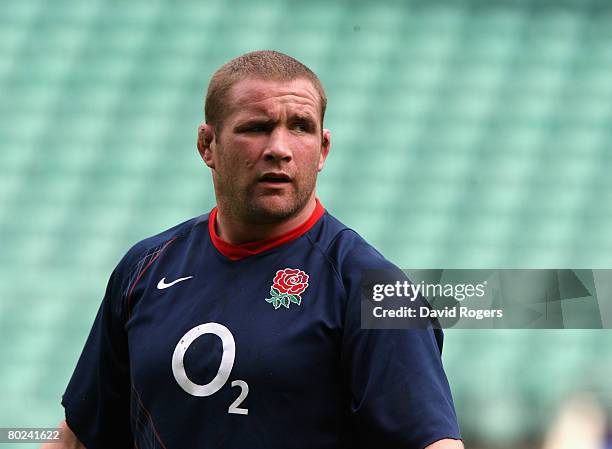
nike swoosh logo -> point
(162, 283)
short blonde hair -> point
(263, 64)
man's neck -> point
(236, 232)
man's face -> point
(266, 157)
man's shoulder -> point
(347, 249)
(151, 245)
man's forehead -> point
(259, 94)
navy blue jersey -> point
(202, 344)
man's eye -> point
(302, 127)
(253, 128)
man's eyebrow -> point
(303, 117)
(264, 120)
(249, 121)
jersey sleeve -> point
(400, 396)
(97, 399)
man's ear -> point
(325, 146)
(206, 143)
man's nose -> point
(278, 146)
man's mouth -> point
(275, 178)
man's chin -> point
(273, 208)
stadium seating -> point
(465, 134)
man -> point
(241, 328)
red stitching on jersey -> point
(148, 416)
(136, 419)
(129, 297)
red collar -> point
(236, 252)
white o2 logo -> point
(225, 368)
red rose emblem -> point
(291, 281)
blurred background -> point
(465, 134)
